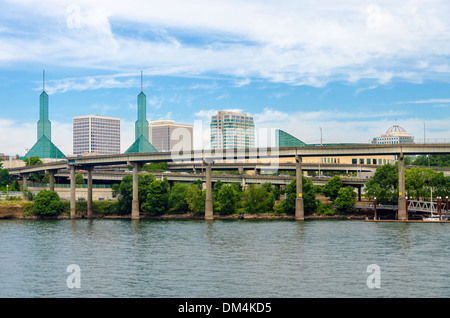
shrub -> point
(47, 202)
(325, 208)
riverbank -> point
(17, 209)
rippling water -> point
(242, 258)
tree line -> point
(157, 197)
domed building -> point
(394, 135)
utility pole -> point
(424, 140)
(320, 160)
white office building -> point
(94, 134)
(394, 135)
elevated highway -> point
(209, 157)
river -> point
(223, 258)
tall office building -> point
(166, 134)
(232, 130)
(96, 134)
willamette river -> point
(241, 258)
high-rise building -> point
(232, 130)
(44, 148)
(166, 134)
(394, 135)
(96, 134)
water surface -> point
(240, 258)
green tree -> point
(4, 177)
(272, 189)
(47, 202)
(79, 179)
(15, 185)
(432, 161)
(346, 199)
(258, 200)
(309, 196)
(177, 198)
(420, 181)
(228, 198)
(45, 178)
(157, 198)
(216, 188)
(325, 208)
(198, 183)
(331, 189)
(195, 198)
(125, 191)
(384, 184)
(156, 167)
(115, 190)
(31, 161)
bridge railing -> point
(424, 206)
(63, 185)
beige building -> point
(232, 130)
(164, 135)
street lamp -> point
(375, 208)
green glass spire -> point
(141, 143)
(44, 148)
(44, 126)
(141, 127)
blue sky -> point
(353, 69)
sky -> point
(340, 71)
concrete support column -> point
(209, 213)
(299, 207)
(24, 180)
(401, 188)
(135, 203)
(72, 192)
(89, 193)
(51, 174)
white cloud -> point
(428, 101)
(307, 43)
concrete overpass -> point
(208, 157)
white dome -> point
(396, 131)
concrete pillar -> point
(72, 192)
(209, 213)
(24, 180)
(135, 202)
(51, 174)
(89, 193)
(299, 207)
(401, 188)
